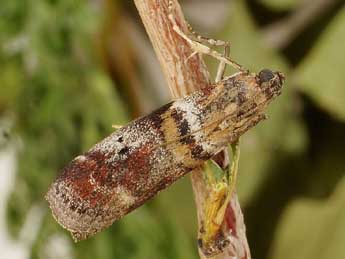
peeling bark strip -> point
(133, 164)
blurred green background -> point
(71, 69)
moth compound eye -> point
(265, 75)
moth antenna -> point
(201, 47)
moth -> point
(133, 164)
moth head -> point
(270, 82)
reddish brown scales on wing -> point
(130, 166)
(85, 174)
(137, 166)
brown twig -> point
(184, 77)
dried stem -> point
(184, 77)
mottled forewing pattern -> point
(130, 166)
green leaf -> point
(313, 229)
(321, 76)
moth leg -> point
(206, 40)
(190, 56)
(199, 47)
(222, 64)
(213, 42)
(220, 75)
(200, 38)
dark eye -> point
(265, 75)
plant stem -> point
(185, 74)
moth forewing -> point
(131, 165)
